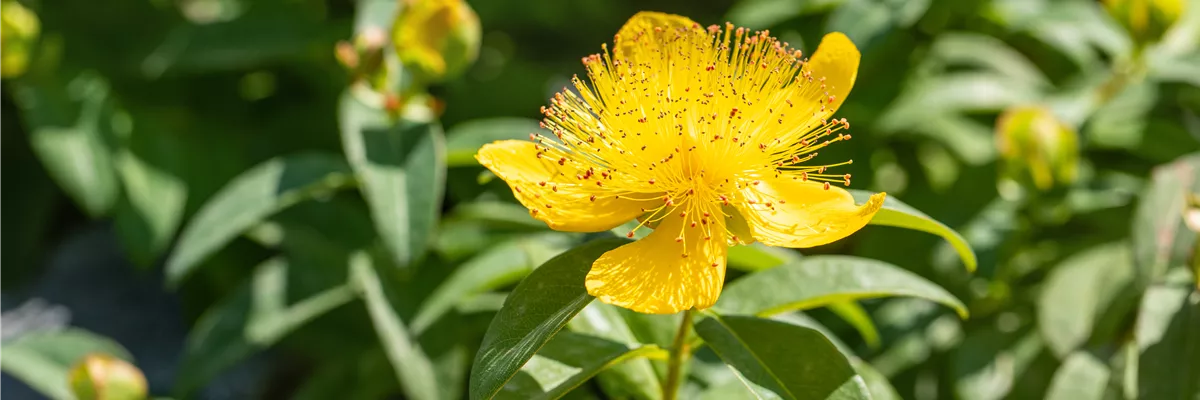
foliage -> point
(300, 174)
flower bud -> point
(437, 39)
(19, 30)
(1037, 148)
(1146, 20)
(101, 376)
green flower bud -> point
(101, 376)
(1037, 148)
(19, 30)
(1146, 20)
(437, 39)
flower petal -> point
(804, 214)
(658, 275)
(836, 60)
(631, 40)
(552, 193)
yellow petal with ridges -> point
(632, 40)
(661, 274)
(794, 213)
(836, 60)
(552, 193)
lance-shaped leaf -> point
(498, 266)
(71, 133)
(567, 361)
(413, 368)
(896, 213)
(634, 378)
(1168, 340)
(401, 165)
(250, 198)
(1160, 239)
(254, 318)
(793, 361)
(532, 314)
(465, 139)
(820, 280)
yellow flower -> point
(705, 134)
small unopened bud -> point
(1037, 148)
(1146, 20)
(19, 29)
(437, 39)
(101, 376)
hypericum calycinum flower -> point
(705, 134)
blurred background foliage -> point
(214, 192)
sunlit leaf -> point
(152, 208)
(896, 213)
(465, 139)
(401, 165)
(757, 256)
(764, 14)
(793, 361)
(633, 378)
(1081, 377)
(413, 367)
(70, 126)
(1168, 339)
(248, 199)
(1080, 291)
(988, 363)
(1160, 239)
(566, 362)
(533, 313)
(820, 280)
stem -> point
(679, 352)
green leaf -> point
(896, 213)
(857, 317)
(43, 359)
(71, 133)
(566, 362)
(253, 318)
(990, 53)
(536, 310)
(465, 139)
(1160, 239)
(498, 214)
(1081, 290)
(413, 368)
(877, 385)
(1081, 377)
(152, 208)
(821, 280)
(793, 361)
(632, 379)
(402, 169)
(1168, 340)
(763, 14)
(988, 362)
(248, 199)
(757, 257)
(496, 267)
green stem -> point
(679, 353)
